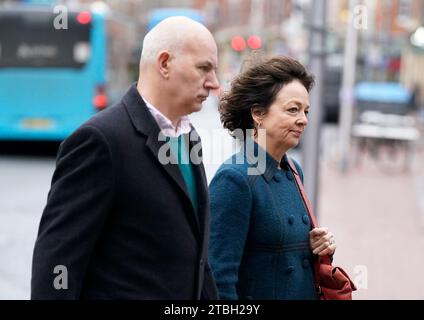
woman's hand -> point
(322, 242)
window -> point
(30, 40)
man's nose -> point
(212, 82)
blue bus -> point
(51, 80)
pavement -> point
(377, 217)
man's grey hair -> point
(169, 35)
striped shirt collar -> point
(166, 126)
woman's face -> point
(286, 118)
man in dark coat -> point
(122, 221)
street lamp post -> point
(347, 91)
(311, 142)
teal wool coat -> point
(259, 246)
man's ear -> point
(163, 61)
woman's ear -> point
(257, 114)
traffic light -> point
(239, 44)
(254, 42)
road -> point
(24, 184)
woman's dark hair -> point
(257, 87)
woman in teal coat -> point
(261, 244)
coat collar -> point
(140, 116)
(251, 151)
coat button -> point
(289, 269)
(305, 219)
(291, 219)
(289, 175)
(305, 263)
(202, 261)
(277, 177)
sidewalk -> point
(378, 222)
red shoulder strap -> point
(325, 259)
(303, 194)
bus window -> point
(29, 40)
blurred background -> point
(362, 154)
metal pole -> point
(256, 18)
(347, 91)
(311, 142)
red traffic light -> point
(238, 43)
(254, 42)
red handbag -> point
(332, 283)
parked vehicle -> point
(382, 125)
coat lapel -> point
(144, 122)
(198, 168)
(201, 181)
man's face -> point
(193, 74)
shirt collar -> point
(166, 126)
